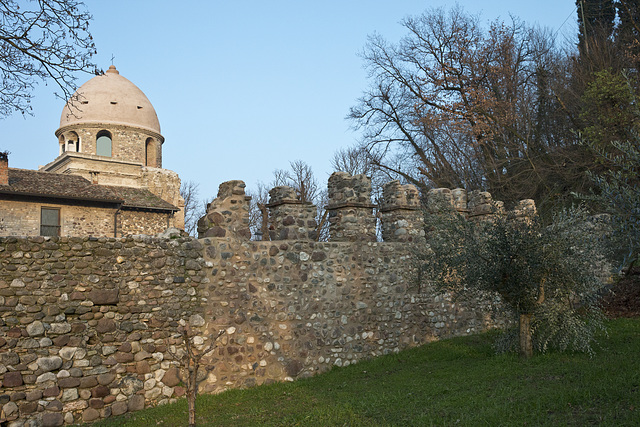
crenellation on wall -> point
(350, 208)
(401, 213)
(481, 204)
(290, 218)
(460, 200)
(228, 214)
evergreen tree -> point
(595, 21)
(628, 30)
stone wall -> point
(22, 218)
(127, 143)
(87, 325)
(132, 222)
(298, 308)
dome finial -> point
(112, 69)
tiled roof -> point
(72, 187)
(140, 198)
(48, 184)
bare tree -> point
(193, 207)
(258, 213)
(300, 177)
(191, 361)
(42, 40)
(453, 104)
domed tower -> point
(110, 134)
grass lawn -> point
(453, 382)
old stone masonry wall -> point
(87, 325)
(90, 328)
(298, 308)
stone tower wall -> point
(127, 143)
(166, 185)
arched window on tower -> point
(103, 143)
(72, 143)
(63, 146)
(150, 153)
(74, 140)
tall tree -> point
(595, 20)
(453, 104)
(627, 32)
(42, 40)
(194, 208)
(608, 113)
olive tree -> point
(547, 275)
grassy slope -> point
(458, 381)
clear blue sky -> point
(243, 87)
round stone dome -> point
(111, 99)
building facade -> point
(108, 178)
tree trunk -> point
(192, 394)
(191, 400)
(264, 226)
(526, 345)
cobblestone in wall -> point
(87, 325)
(481, 203)
(289, 218)
(295, 308)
